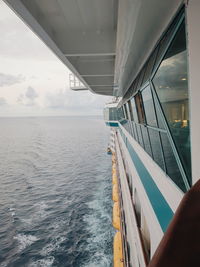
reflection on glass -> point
(125, 111)
(134, 110)
(139, 135)
(135, 131)
(146, 140)
(156, 147)
(159, 117)
(171, 164)
(149, 107)
(120, 113)
(140, 111)
(172, 88)
(113, 115)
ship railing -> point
(75, 84)
(124, 187)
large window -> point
(149, 107)
(159, 112)
(134, 110)
(140, 111)
(171, 83)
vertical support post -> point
(193, 42)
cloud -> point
(75, 101)
(3, 102)
(8, 79)
(172, 72)
(28, 98)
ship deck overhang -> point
(104, 43)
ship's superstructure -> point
(146, 53)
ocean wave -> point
(53, 246)
(47, 262)
(25, 240)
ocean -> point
(55, 192)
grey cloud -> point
(8, 79)
(67, 99)
(31, 93)
(2, 102)
(28, 99)
(176, 69)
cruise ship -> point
(145, 55)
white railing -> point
(75, 84)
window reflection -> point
(149, 107)
(140, 111)
(172, 88)
(171, 164)
(156, 147)
(134, 110)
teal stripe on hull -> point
(112, 124)
(160, 206)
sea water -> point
(55, 192)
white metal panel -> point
(193, 23)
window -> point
(140, 140)
(125, 111)
(147, 145)
(120, 113)
(130, 110)
(135, 116)
(140, 111)
(149, 107)
(112, 114)
(172, 168)
(156, 147)
(172, 89)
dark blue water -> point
(55, 192)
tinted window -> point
(130, 110)
(147, 146)
(139, 135)
(135, 116)
(172, 88)
(149, 107)
(130, 116)
(171, 164)
(135, 131)
(156, 147)
(139, 105)
(125, 111)
(159, 116)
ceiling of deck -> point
(104, 42)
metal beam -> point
(98, 75)
(90, 54)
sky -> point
(33, 81)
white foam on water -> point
(11, 209)
(98, 224)
(47, 262)
(40, 212)
(53, 246)
(25, 240)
